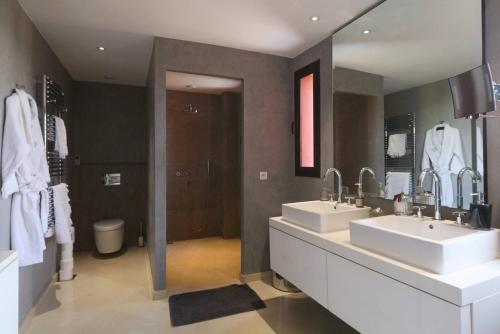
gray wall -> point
(108, 133)
(230, 119)
(266, 138)
(309, 188)
(157, 176)
(352, 81)
(492, 42)
(24, 58)
(108, 123)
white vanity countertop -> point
(6, 258)
(460, 288)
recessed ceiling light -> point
(190, 86)
(109, 77)
(314, 18)
(366, 31)
(101, 48)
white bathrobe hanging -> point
(24, 174)
(444, 153)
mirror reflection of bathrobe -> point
(444, 153)
(25, 174)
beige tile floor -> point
(202, 264)
(112, 296)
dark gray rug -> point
(191, 307)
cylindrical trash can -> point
(280, 283)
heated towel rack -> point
(395, 125)
(53, 104)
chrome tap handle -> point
(419, 209)
(349, 198)
(459, 215)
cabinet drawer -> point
(373, 303)
(9, 294)
(301, 263)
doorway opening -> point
(204, 117)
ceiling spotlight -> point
(314, 18)
(190, 86)
(101, 48)
(366, 31)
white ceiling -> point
(413, 42)
(75, 28)
(201, 83)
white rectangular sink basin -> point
(322, 216)
(436, 246)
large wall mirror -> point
(393, 108)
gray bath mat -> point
(188, 308)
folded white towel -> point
(62, 213)
(397, 145)
(397, 183)
(61, 139)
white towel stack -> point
(396, 145)
(62, 213)
(61, 145)
(397, 183)
(64, 230)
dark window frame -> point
(313, 68)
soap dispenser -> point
(359, 201)
(480, 213)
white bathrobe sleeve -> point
(479, 149)
(458, 159)
(426, 160)
(15, 146)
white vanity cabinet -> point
(9, 292)
(375, 295)
(373, 303)
(301, 263)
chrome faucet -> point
(437, 189)
(475, 178)
(360, 179)
(339, 176)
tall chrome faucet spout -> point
(339, 176)
(460, 178)
(437, 189)
(360, 179)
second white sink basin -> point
(322, 216)
(437, 246)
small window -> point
(307, 121)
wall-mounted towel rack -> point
(53, 104)
(402, 124)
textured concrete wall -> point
(351, 81)
(108, 123)
(231, 164)
(157, 176)
(309, 188)
(24, 58)
(492, 44)
(266, 138)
